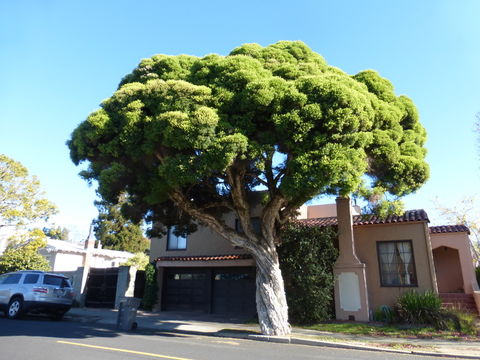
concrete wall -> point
(461, 243)
(125, 283)
(322, 211)
(366, 238)
(67, 262)
(105, 262)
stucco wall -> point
(202, 242)
(67, 262)
(366, 238)
(106, 262)
(448, 270)
(460, 242)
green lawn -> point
(379, 329)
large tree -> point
(117, 232)
(57, 233)
(192, 138)
(22, 252)
(21, 199)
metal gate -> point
(101, 287)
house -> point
(380, 258)
(66, 256)
(95, 273)
(456, 280)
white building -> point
(65, 256)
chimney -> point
(90, 242)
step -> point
(459, 301)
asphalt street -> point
(37, 338)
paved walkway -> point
(211, 325)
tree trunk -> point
(271, 301)
(272, 306)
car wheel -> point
(15, 306)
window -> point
(255, 224)
(56, 281)
(12, 279)
(233, 276)
(31, 279)
(396, 263)
(176, 242)
(187, 276)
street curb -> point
(247, 335)
(320, 343)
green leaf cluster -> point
(22, 253)
(117, 232)
(151, 288)
(57, 233)
(307, 256)
(416, 308)
(140, 260)
(21, 199)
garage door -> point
(186, 289)
(214, 290)
(234, 291)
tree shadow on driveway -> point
(39, 326)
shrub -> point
(150, 293)
(467, 322)
(386, 314)
(139, 260)
(307, 255)
(425, 308)
(477, 272)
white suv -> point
(36, 292)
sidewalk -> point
(211, 325)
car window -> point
(2, 278)
(12, 279)
(56, 281)
(31, 279)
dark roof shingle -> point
(442, 229)
(408, 216)
(205, 257)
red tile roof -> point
(442, 229)
(408, 216)
(204, 258)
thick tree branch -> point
(212, 221)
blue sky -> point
(60, 59)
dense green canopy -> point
(21, 199)
(279, 115)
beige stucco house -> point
(380, 258)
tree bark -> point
(271, 301)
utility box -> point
(127, 313)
